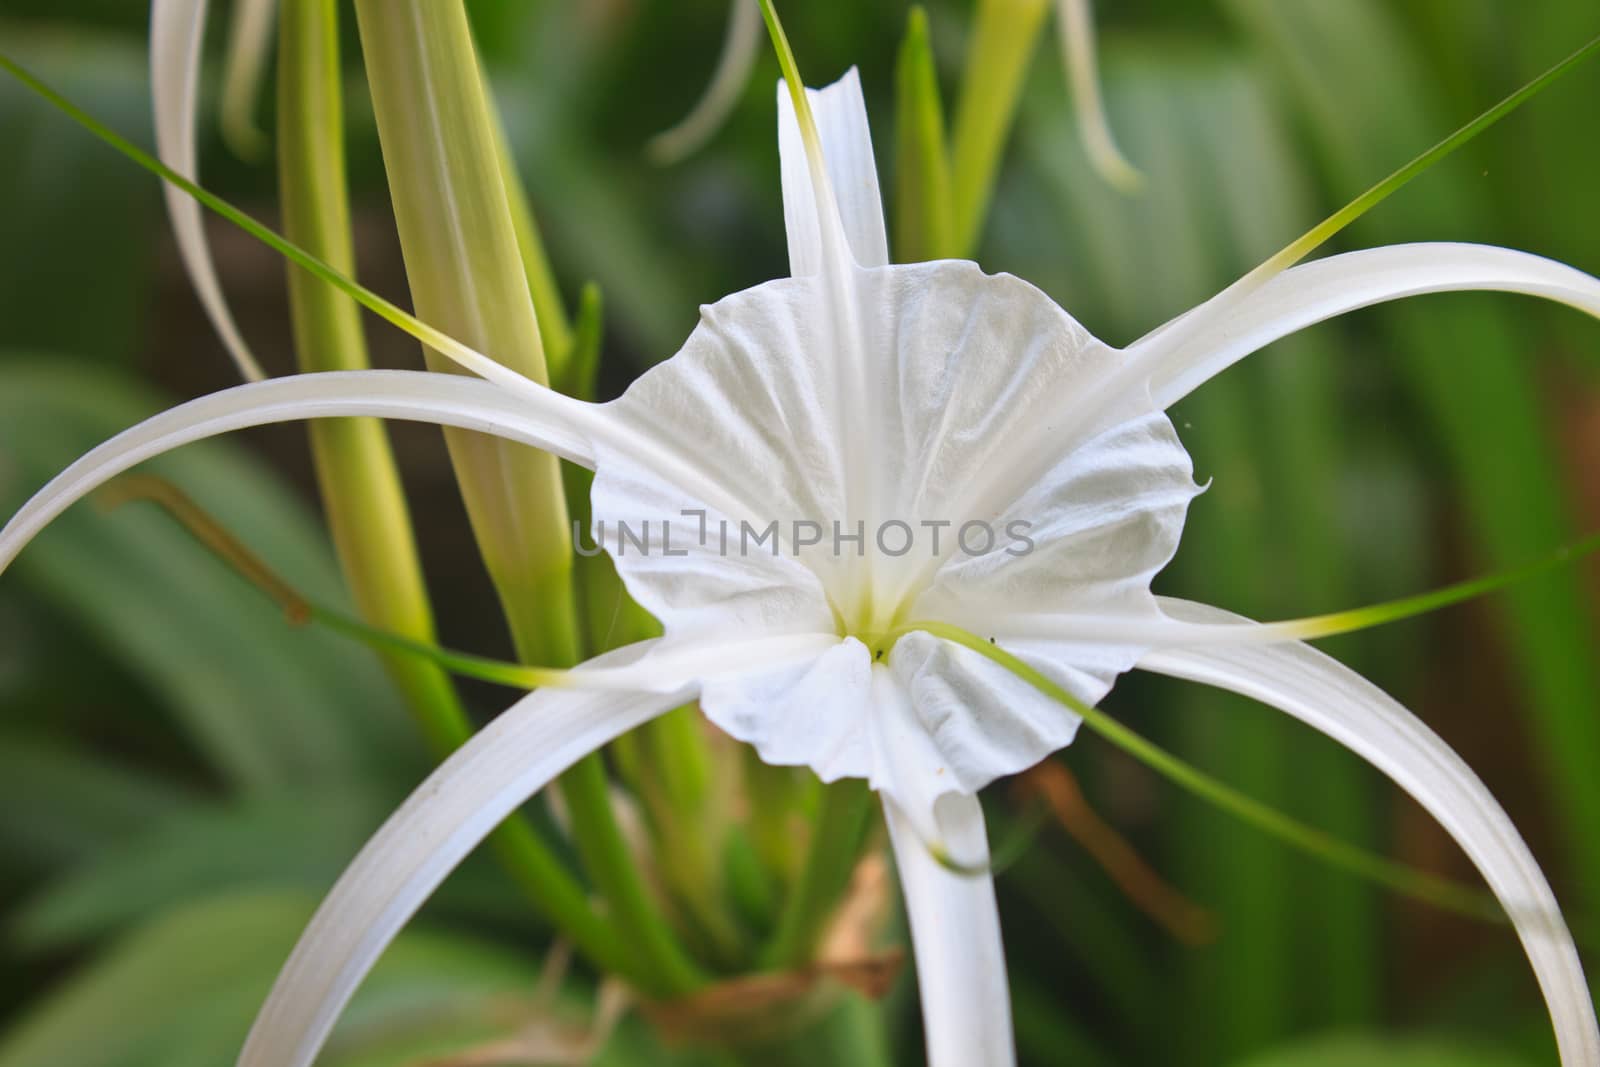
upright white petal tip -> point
(841, 116)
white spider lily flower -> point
(870, 395)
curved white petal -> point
(738, 59)
(955, 937)
(1332, 698)
(1179, 357)
(1096, 628)
(177, 28)
(670, 664)
(841, 115)
(1075, 25)
(249, 41)
(446, 399)
(467, 797)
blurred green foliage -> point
(181, 771)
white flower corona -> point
(869, 394)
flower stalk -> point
(1004, 34)
(445, 159)
(466, 275)
(836, 837)
(360, 486)
(922, 203)
(556, 330)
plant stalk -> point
(444, 156)
(360, 485)
(1003, 39)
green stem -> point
(923, 216)
(682, 765)
(442, 156)
(691, 827)
(555, 328)
(1003, 40)
(668, 970)
(791, 71)
(1343, 622)
(445, 159)
(835, 843)
(776, 795)
(360, 485)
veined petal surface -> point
(966, 367)
(815, 713)
(783, 483)
(878, 458)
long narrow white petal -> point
(445, 399)
(1128, 628)
(1187, 352)
(249, 41)
(1075, 24)
(670, 662)
(177, 28)
(738, 59)
(468, 796)
(841, 114)
(955, 936)
(1332, 698)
